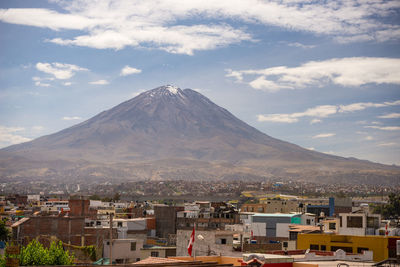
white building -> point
(360, 223)
(206, 243)
(123, 250)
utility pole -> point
(111, 240)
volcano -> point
(169, 133)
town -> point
(264, 225)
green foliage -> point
(94, 197)
(58, 256)
(392, 209)
(2, 261)
(116, 197)
(35, 254)
(4, 232)
(91, 252)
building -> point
(123, 250)
(207, 215)
(210, 242)
(70, 230)
(359, 223)
(265, 224)
(157, 251)
(166, 219)
(382, 246)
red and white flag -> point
(386, 229)
(191, 242)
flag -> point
(191, 242)
(251, 235)
(386, 229)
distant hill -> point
(169, 133)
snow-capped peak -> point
(172, 89)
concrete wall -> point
(121, 250)
(282, 230)
(162, 252)
(270, 223)
(259, 229)
(210, 244)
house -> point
(382, 247)
(123, 250)
(207, 242)
(359, 223)
(157, 251)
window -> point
(323, 247)
(314, 247)
(308, 221)
(119, 224)
(332, 226)
(292, 235)
(285, 244)
(373, 222)
(223, 241)
(133, 246)
(354, 221)
(340, 218)
(155, 254)
(98, 223)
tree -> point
(392, 209)
(116, 197)
(35, 254)
(4, 232)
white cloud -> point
(319, 111)
(324, 111)
(67, 84)
(162, 24)
(59, 70)
(369, 138)
(286, 118)
(390, 116)
(66, 118)
(324, 135)
(388, 144)
(37, 128)
(313, 121)
(100, 82)
(129, 70)
(8, 136)
(384, 128)
(38, 83)
(356, 71)
(300, 45)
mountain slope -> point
(170, 126)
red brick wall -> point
(79, 207)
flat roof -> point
(335, 263)
(286, 215)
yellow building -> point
(381, 246)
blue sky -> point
(321, 74)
